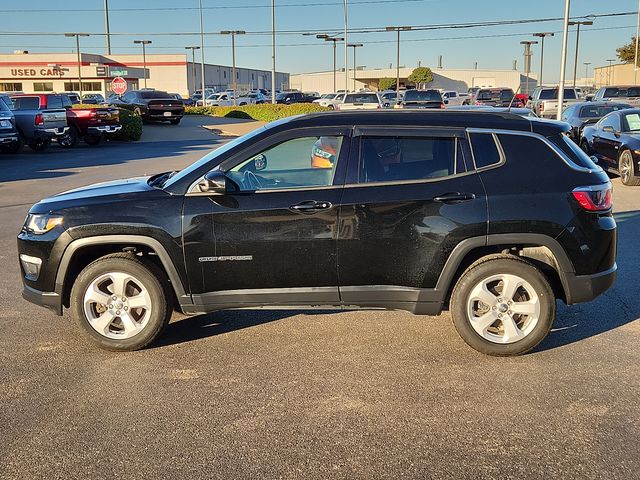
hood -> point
(93, 194)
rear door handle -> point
(311, 206)
(454, 197)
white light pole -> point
(234, 85)
(273, 51)
(397, 30)
(635, 64)
(346, 50)
(144, 43)
(78, 35)
(354, 45)
(193, 67)
(563, 58)
(586, 72)
(542, 36)
(106, 26)
(202, 82)
(575, 63)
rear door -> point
(411, 196)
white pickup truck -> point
(624, 94)
(225, 99)
(544, 101)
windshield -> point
(361, 98)
(154, 94)
(422, 96)
(613, 92)
(632, 121)
(552, 94)
(598, 111)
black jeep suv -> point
(491, 215)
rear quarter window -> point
(485, 150)
(573, 151)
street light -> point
(328, 38)
(610, 60)
(233, 34)
(575, 63)
(144, 43)
(635, 57)
(527, 61)
(563, 58)
(354, 45)
(542, 36)
(586, 72)
(193, 67)
(398, 30)
(78, 35)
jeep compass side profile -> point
(490, 215)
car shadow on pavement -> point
(615, 308)
(216, 323)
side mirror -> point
(446, 102)
(214, 181)
(594, 159)
(260, 162)
(608, 129)
(530, 97)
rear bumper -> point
(50, 300)
(584, 288)
(8, 137)
(104, 129)
(50, 132)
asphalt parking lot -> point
(287, 394)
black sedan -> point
(151, 105)
(615, 142)
(579, 115)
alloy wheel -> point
(625, 167)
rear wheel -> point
(39, 145)
(625, 168)
(92, 139)
(69, 139)
(121, 302)
(584, 145)
(503, 306)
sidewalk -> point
(229, 127)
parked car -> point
(310, 97)
(256, 97)
(453, 98)
(225, 99)
(579, 115)
(10, 141)
(494, 97)
(36, 125)
(615, 142)
(73, 96)
(417, 99)
(90, 124)
(626, 94)
(544, 101)
(92, 98)
(152, 105)
(322, 101)
(361, 101)
(289, 97)
(390, 97)
(418, 226)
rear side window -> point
(54, 101)
(392, 159)
(573, 151)
(485, 150)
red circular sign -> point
(118, 85)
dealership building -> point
(58, 72)
(447, 79)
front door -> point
(271, 239)
(411, 196)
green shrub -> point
(131, 126)
(265, 112)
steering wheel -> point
(251, 181)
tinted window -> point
(153, 94)
(301, 162)
(54, 101)
(503, 94)
(4, 107)
(571, 150)
(485, 150)
(26, 103)
(610, 120)
(422, 96)
(597, 111)
(389, 159)
(552, 94)
(129, 96)
(631, 92)
(361, 98)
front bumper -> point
(8, 138)
(104, 129)
(50, 300)
(584, 288)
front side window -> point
(610, 120)
(298, 163)
(393, 159)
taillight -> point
(478, 103)
(39, 119)
(93, 113)
(541, 106)
(442, 107)
(594, 198)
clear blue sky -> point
(299, 53)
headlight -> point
(41, 223)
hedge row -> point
(130, 121)
(265, 112)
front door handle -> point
(311, 206)
(454, 197)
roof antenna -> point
(514, 97)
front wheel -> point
(503, 306)
(121, 302)
(625, 168)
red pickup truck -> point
(90, 124)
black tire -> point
(70, 139)
(153, 280)
(500, 265)
(92, 140)
(331, 107)
(14, 147)
(626, 170)
(584, 145)
(39, 145)
(175, 121)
